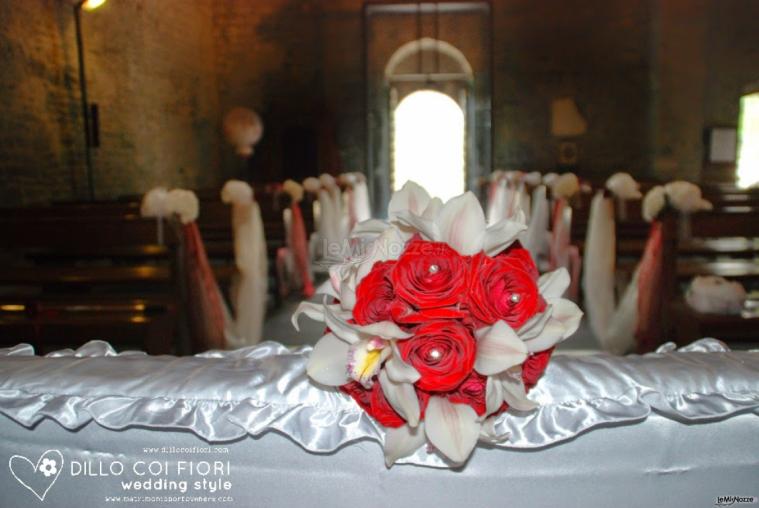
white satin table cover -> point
(674, 428)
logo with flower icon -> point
(38, 478)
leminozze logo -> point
(731, 500)
(40, 477)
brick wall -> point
(648, 77)
(151, 69)
(39, 129)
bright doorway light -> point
(429, 143)
(748, 141)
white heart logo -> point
(38, 477)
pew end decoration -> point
(439, 326)
(293, 261)
(624, 188)
(716, 295)
(683, 197)
(250, 285)
(154, 204)
(197, 286)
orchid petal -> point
(514, 393)
(493, 395)
(461, 224)
(502, 234)
(452, 428)
(328, 360)
(347, 294)
(402, 397)
(388, 246)
(551, 334)
(326, 288)
(534, 326)
(369, 228)
(353, 333)
(335, 277)
(313, 310)
(383, 329)
(568, 313)
(340, 327)
(411, 197)
(426, 227)
(490, 434)
(433, 209)
(498, 348)
(554, 284)
(398, 370)
(403, 441)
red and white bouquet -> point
(440, 325)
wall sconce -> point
(91, 5)
(567, 122)
(89, 112)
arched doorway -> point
(429, 81)
(441, 47)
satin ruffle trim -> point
(225, 395)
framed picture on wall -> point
(721, 144)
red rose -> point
(374, 295)
(442, 352)
(521, 256)
(373, 401)
(404, 313)
(471, 391)
(430, 275)
(534, 366)
(501, 289)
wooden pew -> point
(723, 242)
(78, 277)
(59, 260)
(739, 331)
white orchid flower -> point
(363, 350)
(403, 441)
(560, 319)
(498, 348)
(460, 223)
(452, 428)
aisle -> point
(277, 326)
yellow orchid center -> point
(365, 359)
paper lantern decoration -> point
(243, 129)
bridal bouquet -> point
(440, 325)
